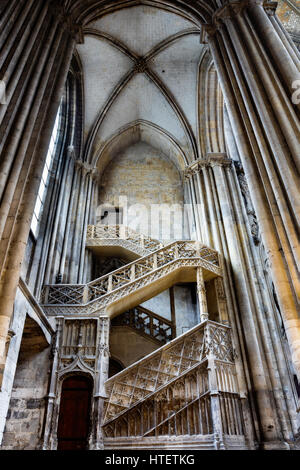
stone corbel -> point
(207, 31)
(78, 164)
(219, 159)
(229, 11)
(189, 172)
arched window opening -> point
(38, 209)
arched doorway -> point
(74, 413)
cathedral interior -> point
(149, 224)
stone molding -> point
(87, 169)
(229, 11)
(67, 21)
(211, 160)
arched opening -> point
(114, 367)
(74, 414)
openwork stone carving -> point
(185, 388)
(247, 201)
(147, 324)
(168, 363)
(97, 295)
(168, 393)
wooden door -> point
(74, 413)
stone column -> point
(221, 300)
(219, 241)
(266, 316)
(244, 139)
(73, 186)
(201, 291)
(214, 395)
(205, 222)
(53, 386)
(283, 34)
(280, 122)
(26, 203)
(79, 211)
(16, 24)
(249, 306)
(61, 207)
(102, 366)
(268, 33)
(91, 176)
(191, 206)
(263, 159)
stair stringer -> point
(188, 403)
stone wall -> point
(25, 415)
(22, 400)
(146, 178)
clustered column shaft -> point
(26, 128)
(264, 152)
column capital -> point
(270, 7)
(67, 21)
(211, 160)
(219, 159)
(229, 11)
(195, 167)
(207, 31)
(87, 169)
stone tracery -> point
(233, 135)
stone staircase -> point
(147, 324)
(183, 395)
(100, 238)
(136, 282)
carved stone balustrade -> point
(187, 387)
(135, 282)
(101, 238)
(147, 324)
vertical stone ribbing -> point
(18, 119)
(272, 124)
(261, 155)
(247, 307)
(27, 119)
(268, 229)
(288, 70)
(201, 291)
(265, 319)
(84, 228)
(285, 38)
(39, 146)
(12, 28)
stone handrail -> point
(147, 323)
(165, 365)
(98, 233)
(115, 285)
